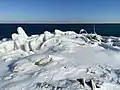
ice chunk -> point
(48, 35)
(4, 39)
(21, 32)
(41, 38)
(83, 30)
(20, 39)
(58, 32)
(26, 46)
(6, 46)
(70, 33)
(15, 36)
(36, 43)
(33, 45)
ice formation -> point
(60, 61)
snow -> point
(60, 61)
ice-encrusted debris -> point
(60, 61)
(43, 61)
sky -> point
(59, 10)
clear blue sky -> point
(60, 10)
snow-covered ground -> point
(60, 61)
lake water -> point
(104, 29)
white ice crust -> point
(59, 60)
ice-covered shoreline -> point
(59, 61)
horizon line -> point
(55, 22)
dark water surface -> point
(104, 29)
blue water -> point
(104, 29)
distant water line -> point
(104, 29)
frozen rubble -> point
(60, 61)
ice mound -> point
(60, 61)
(23, 42)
